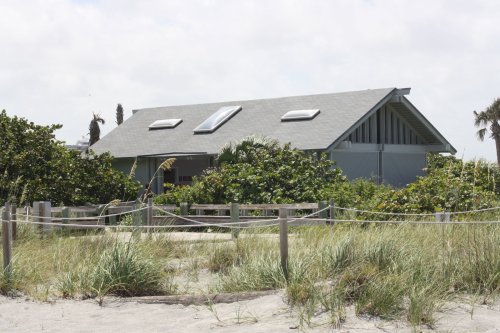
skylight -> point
(217, 119)
(300, 115)
(165, 123)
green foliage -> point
(450, 185)
(483, 175)
(260, 171)
(94, 130)
(361, 193)
(119, 114)
(35, 166)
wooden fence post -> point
(235, 217)
(136, 219)
(332, 212)
(149, 220)
(13, 218)
(65, 215)
(283, 215)
(322, 214)
(184, 208)
(136, 215)
(442, 217)
(7, 237)
(45, 215)
(65, 211)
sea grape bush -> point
(35, 166)
(450, 185)
(260, 171)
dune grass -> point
(87, 265)
(385, 271)
(389, 271)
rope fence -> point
(418, 214)
(239, 224)
(325, 213)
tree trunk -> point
(497, 143)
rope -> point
(475, 211)
(309, 215)
(103, 226)
(228, 224)
(416, 222)
(383, 213)
(241, 222)
(416, 214)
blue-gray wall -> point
(147, 168)
(396, 165)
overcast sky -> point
(62, 60)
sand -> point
(264, 314)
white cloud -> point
(63, 60)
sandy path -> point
(265, 314)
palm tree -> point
(95, 131)
(489, 118)
(240, 151)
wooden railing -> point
(164, 214)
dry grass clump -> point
(91, 265)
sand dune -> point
(264, 314)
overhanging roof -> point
(339, 112)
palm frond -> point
(241, 150)
(481, 118)
(98, 118)
(481, 134)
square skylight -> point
(300, 115)
(165, 123)
(217, 119)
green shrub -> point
(259, 171)
(450, 185)
(34, 166)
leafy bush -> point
(450, 185)
(34, 166)
(361, 193)
(260, 171)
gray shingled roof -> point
(339, 112)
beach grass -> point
(388, 271)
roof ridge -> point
(263, 99)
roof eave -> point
(449, 147)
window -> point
(300, 115)
(217, 119)
(165, 123)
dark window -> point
(170, 176)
